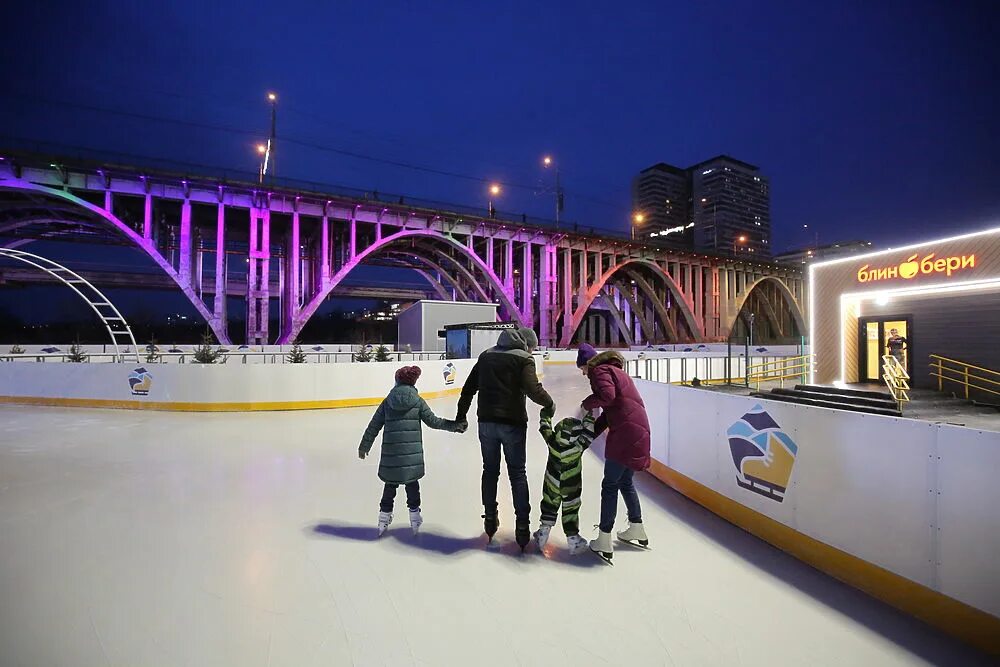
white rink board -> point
(916, 498)
(196, 383)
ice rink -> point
(148, 539)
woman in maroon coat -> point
(627, 448)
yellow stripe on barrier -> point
(177, 406)
(956, 618)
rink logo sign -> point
(762, 453)
(139, 381)
(450, 374)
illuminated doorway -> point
(878, 336)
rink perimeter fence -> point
(902, 509)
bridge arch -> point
(114, 322)
(795, 312)
(660, 275)
(116, 224)
(427, 241)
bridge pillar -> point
(187, 246)
(567, 295)
(546, 292)
(508, 270)
(147, 218)
(292, 287)
(219, 309)
(527, 286)
(258, 276)
(324, 254)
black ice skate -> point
(490, 524)
(522, 533)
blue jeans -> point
(494, 438)
(618, 478)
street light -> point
(637, 219)
(742, 239)
(269, 148)
(494, 192)
(547, 161)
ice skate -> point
(602, 547)
(490, 524)
(635, 535)
(415, 520)
(542, 534)
(577, 544)
(384, 519)
(522, 533)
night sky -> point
(873, 120)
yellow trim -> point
(956, 618)
(177, 406)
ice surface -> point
(132, 538)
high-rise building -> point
(720, 205)
(813, 253)
(662, 193)
(732, 207)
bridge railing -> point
(704, 369)
(224, 358)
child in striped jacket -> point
(563, 476)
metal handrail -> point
(966, 379)
(896, 379)
(761, 372)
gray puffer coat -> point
(402, 444)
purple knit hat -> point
(408, 375)
(585, 354)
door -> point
(879, 336)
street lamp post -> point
(494, 192)
(549, 162)
(637, 219)
(268, 152)
(261, 151)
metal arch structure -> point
(392, 244)
(296, 243)
(145, 244)
(684, 306)
(109, 315)
(780, 309)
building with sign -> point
(939, 297)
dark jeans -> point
(389, 495)
(618, 478)
(494, 438)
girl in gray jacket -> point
(402, 460)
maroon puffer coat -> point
(628, 425)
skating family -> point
(504, 377)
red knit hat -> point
(408, 375)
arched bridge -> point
(302, 244)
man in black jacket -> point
(504, 375)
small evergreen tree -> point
(382, 353)
(152, 351)
(363, 354)
(204, 354)
(17, 349)
(296, 356)
(76, 354)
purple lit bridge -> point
(299, 245)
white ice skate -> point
(635, 535)
(602, 547)
(415, 520)
(384, 519)
(542, 534)
(577, 544)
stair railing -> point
(896, 379)
(782, 369)
(964, 374)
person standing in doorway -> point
(503, 376)
(897, 345)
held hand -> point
(362, 454)
(463, 425)
(548, 411)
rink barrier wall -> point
(220, 388)
(901, 509)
